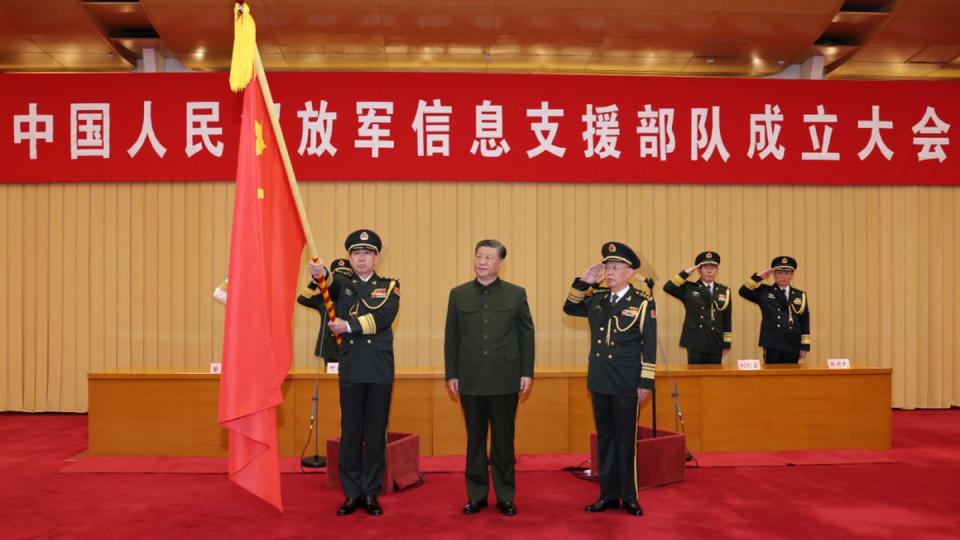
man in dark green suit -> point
(489, 352)
(708, 322)
(621, 367)
(365, 305)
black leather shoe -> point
(472, 507)
(348, 506)
(507, 508)
(633, 509)
(601, 504)
(372, 506)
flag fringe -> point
(244, 47)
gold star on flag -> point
(259, 131)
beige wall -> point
(100, 277)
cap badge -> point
(709, 255)
(784, 260)
(364, 236)
(611, 248)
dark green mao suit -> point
(488, 346)
(708, 322)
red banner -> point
(446, 126)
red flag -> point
(265, 246)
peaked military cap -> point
(784, 263)
(363, 239)
(708, 257)
(341, 266)
(615, 251)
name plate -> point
(333, 367)
(749, 365)
(215, 367)
(838, 363)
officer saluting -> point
(365, 305)
(785, 325)
(621, 368)
(708, 321)
(326, 344)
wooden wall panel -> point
(119, 276)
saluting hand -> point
(592, 275)
(691, 269)
(765, 273)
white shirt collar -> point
(619, 294)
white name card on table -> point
(838, 363)
(751, 364)
(215, 367)
(333, 367)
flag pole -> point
(294, 188)
(287, 164)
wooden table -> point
(777, 408)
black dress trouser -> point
(776, 356)
(700, 357)
(616, 419)
(364, 409)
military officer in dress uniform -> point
(785, 312)
(365, 305)
(326, 343)
(489, 354)
(708, 321)
(621, 368)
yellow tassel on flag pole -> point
(244, 47)
(244, 65)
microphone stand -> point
(675, 394)
(316, 460)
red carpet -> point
(789, 459)
(85, 464)
(914, 497)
